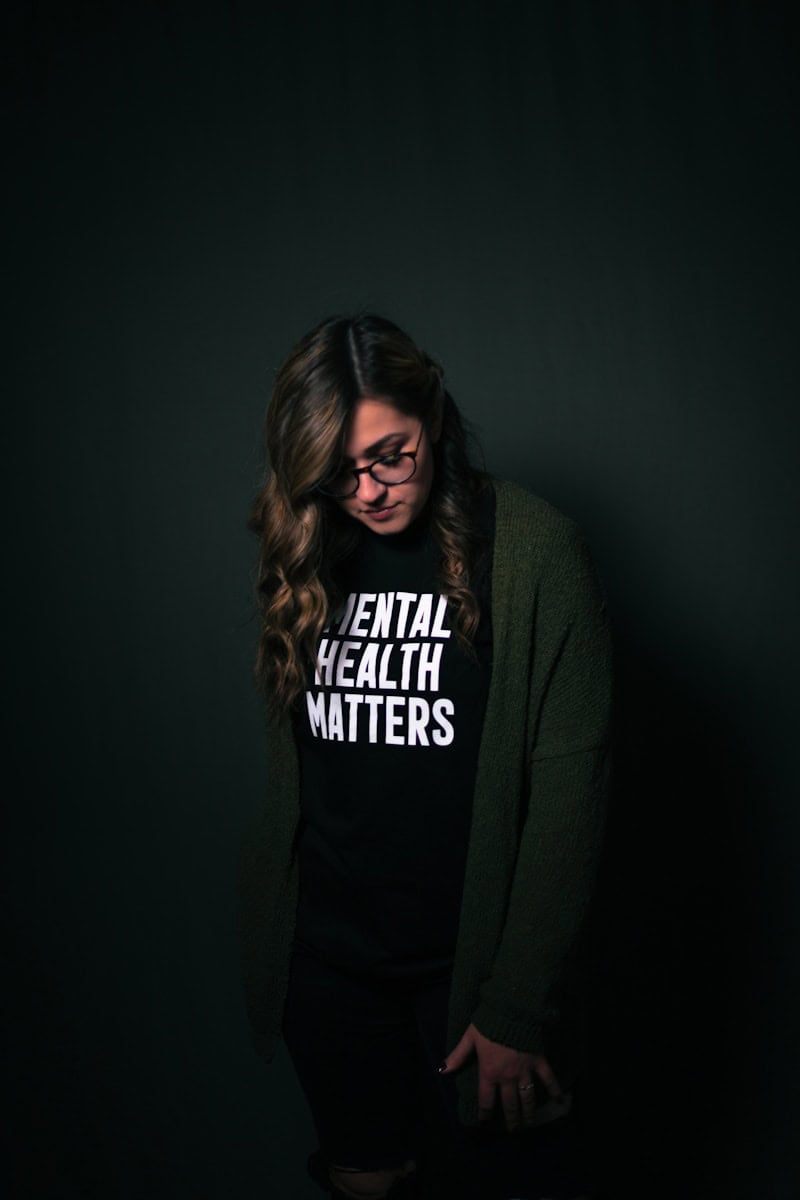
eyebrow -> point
(376, 447)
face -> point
(376, 429)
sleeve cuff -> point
(527, 1036)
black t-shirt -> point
(388, 738)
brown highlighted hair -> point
(303, 534)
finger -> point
(510, 1099)
(486, 1098)
(527, 1101)
(545, 1073)
(459, 1055)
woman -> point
(435, 653)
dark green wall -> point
(588, 211)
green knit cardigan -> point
(537, 816)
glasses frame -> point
(357, 472)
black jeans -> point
(366, 1053)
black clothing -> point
(366, 1053)
(388, 739)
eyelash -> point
(348, 466)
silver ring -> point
(526, 1087)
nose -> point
(369, 489)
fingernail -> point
(443, 1067)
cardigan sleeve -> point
(569, 714)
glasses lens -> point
(341, 485)
(397, 469)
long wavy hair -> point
(303, 534)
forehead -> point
(371, 422)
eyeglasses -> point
(389, 469)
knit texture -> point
(537, 809)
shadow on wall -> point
(671, 1094)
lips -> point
(379, 514)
